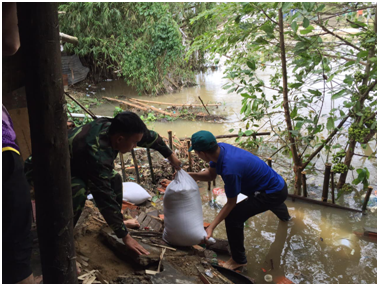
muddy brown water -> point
(319, 244)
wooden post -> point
(189, 156)
(299, 189)
(170, 133)
(269, 162)
(326, 182)
(332, 187)
(303, 175)
(39, 35)
(366, 199)
(136, 166)
(171, 145)
(121, 157)
(150, 165)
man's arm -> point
(151, 139)
(207, 175)
(228, 207)
(11, 38)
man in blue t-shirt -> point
(242, 172)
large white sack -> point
(183, 214)
(134, 193)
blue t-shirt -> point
(245, 173)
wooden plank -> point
(370, 231)
(146, 222)
(141, 217)
(155, 225)
(322, 203)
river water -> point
(319, 245)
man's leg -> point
(277, 205)
(234, 224)
(17, 217)
(79, 196)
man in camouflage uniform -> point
(93, 148)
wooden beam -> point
(172, 104)
(308, 200)
(39, 35)
(69, 39)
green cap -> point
(202, 141)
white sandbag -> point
(134, 193)
(183, 214)
(222, 199)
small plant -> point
(117, 110)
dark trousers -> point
(254, 205)
(17, 217)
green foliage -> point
(249, 38)
(75, 108)
(363, 176)
(117, 110)
(139, 40)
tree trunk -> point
(39, 35)
(296, 159)
(352, 145)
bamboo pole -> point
(233, 136)
(332, 187)
(204, 105)
(123, 167)
(39, 35)
(172, 104)
(170, 133)
(189, 155)
(269, 162)
(142, 106)
(326, 182)
(150, 165)
(136, 166)
(366, 199)
(322, 203)
(303, 174)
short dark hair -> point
(127, 123)
(212, 149)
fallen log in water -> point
(172, 104)
(322, 203)
(141, 106)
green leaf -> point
(231, 130)
(249, 132)
(251, 65)
(267, 28)
(306, 22)
(286, 5)
(330, 124)
(320, 8)
(362, 54)
(294, 112)
(350, 63)
(339, 94)
(306, 6)
(294, 26)
(307, 30)
(356, 181)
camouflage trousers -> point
(81, 188)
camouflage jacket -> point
(92, 159)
